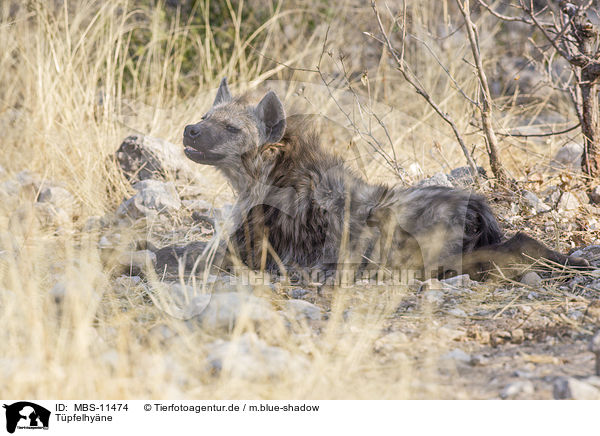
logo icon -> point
(26, 415)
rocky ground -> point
(456, 338)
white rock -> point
(57, 197)
(51, 216)
(211, 311)
(153, 197)
(58, 291)
(571, 388)
(568, 157)
(180, 301)
(390, 342)
(532, 279)
(462, 281)
(438, 179)
(569, 201)
(535, 203)
(301, 309)
(457, 312)
(414, 170)
(10, 187)
(27, 179)
(226, 309)
(520, 387)
(251, 358)
(433, 297)
(457, 355)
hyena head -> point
(232, 127)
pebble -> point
(457, 312)
(514, 389)
(569, 201)
(152, 197)
(535, 203)
(571, 388)
(532, 279)
(457, 355)
(301, 309)
(250, 358)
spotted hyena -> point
(299, 207)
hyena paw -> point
(578, 262)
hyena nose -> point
(191, 131)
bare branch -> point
(401, 66)
(540, 135)
(486, 107)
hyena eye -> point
(231, 128)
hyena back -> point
(299, 206)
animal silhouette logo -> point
(26, 415)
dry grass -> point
(71, 90)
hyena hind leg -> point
(521, 249)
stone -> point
(517, 336)
(109, 241)
(138, 160)
(144, 157)
(532, 279)
(152, 197)
(479, 360)
(26, 179)
(514, 389)
(297, 293)
(301, 309)
(214, 311)
(571, 388)
(10, 187)
(227, 308)
(58, 291)
(179, 300)
(57, 197)
(50, 216)
(458, 356)
(433, 296)
(568, 157)
(462, 177)
(462, 281)
(569, 201)
(438, 179)
(390, 342)
(414, 170)
(250, 358)
(458, 312)
(537, 205)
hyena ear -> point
(223, 94)
(270, 112)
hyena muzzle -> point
(301, 208)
